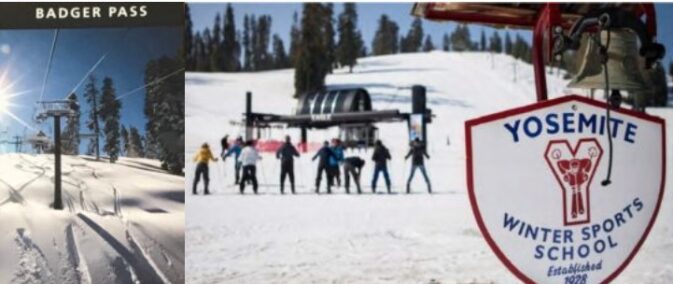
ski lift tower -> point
(57, 109)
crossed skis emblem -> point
(574, 169)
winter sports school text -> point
(571, 244)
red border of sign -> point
(558, 179)
(470, 184)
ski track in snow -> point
(306, 238)
(33, 265)
(94, 244)
(15, 193)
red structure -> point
(541, 18)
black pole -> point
(58, 202)
(248, 116)
(418, 106)
(304, 139)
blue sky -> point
(24, 55)
(203, 15)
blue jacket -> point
(324, 155)
(338, 156)
(236, 150)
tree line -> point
(224, 47)
(387, 40)
(319, 43)
(164, 110)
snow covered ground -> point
(370, 238)
(122, 222)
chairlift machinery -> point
(350, 109)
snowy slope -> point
(369, 238)
(122, 222)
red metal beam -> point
(542, 27)
(651, 20)
(478, 18)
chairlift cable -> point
(100, 60)
(156, 81)
(49, 61)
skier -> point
(225, 145)
(202, 157)
(286, 154)
(249, 158)
(236, 151)
(380, 157)
(353, 167)
(325, 153)
(417, 153)
(336, 161)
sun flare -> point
(4, 103)
(7, 96)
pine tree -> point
(231, 49)
(254, 44)
(482, 46)
(496, 43)
(312, 62)
(280, 58)
(428, 45)
(164, 109)
(446, 42)
(188, 42)
(247, 44)
(215, 55)
(414, 39)
(295, 36)
(350, 40)
(460, 39)
(508, 44)
(109, 114)
(330, 45)
(261, 39)
(207, 50)
(125, 141)
(136, 148)
(521, 49)
(91, 94)
(150, 145)
(70, 141)
(200, 63)
(386, 38)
